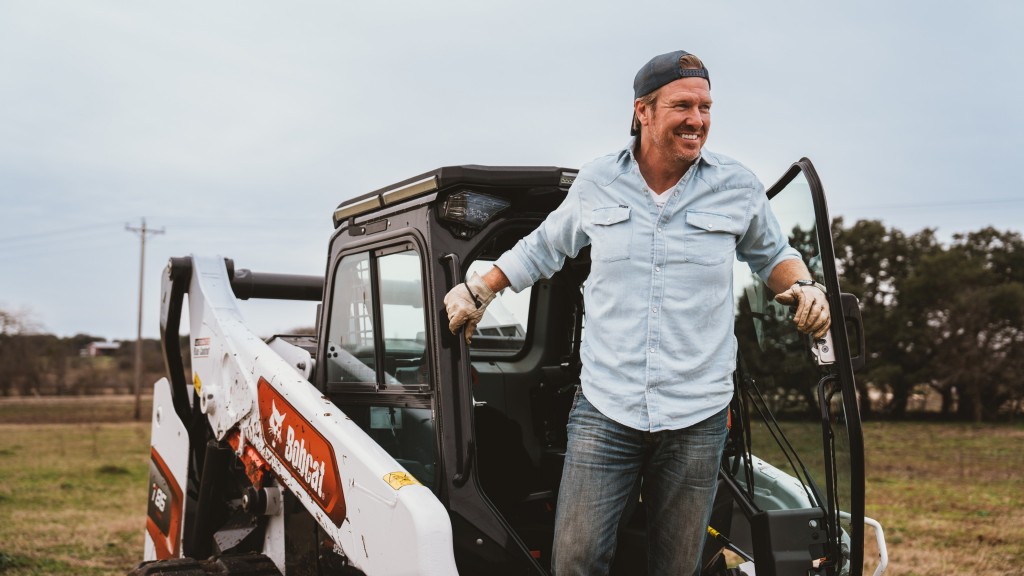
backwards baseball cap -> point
(664, 69)
(661, 70)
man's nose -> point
(693, 118)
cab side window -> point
(377, 333)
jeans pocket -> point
(576, 398)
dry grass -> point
(72, 409)
(72, 495)
(950, 496)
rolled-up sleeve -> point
(763, 246)
(543, 252)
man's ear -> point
(642, 111)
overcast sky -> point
(237, 127)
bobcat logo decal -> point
(276, 421)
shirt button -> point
(652, 350)
(659, 228)
(654, 309)
(657, 268)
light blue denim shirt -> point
(658, 351)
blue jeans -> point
(605, 461)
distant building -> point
(95, 349)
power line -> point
(57, 232)
(58, 250)
(72, 238)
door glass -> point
(350, 348)
(363, 367)
(402, 319)
(781, 379)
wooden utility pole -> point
(142, 232)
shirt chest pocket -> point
(612, 233)
(709, 238)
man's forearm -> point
(786, 273)
(496, 279)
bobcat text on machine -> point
(385, 445)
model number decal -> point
(201, 349)
(159, 498)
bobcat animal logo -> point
(276, 421)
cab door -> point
(798, 462)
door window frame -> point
(381, 384)
(842, 368)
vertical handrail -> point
(464, 449)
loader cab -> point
(483, 425)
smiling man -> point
(665, 219)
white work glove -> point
(812, 313)
(466, 303)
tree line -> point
(941, 320)
(34, 363)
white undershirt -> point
(659, 199)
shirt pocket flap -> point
(710, 221)
(610, 215)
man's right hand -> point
(812, 312)
(465, 304)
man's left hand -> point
(812, 313)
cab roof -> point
(448, 176)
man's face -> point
(676, 124)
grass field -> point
(73, 494)
(950, 496)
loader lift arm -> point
(245, 284)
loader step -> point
(236, 565)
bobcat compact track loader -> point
(385, 445)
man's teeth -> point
(688, 136)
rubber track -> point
(240, 565)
